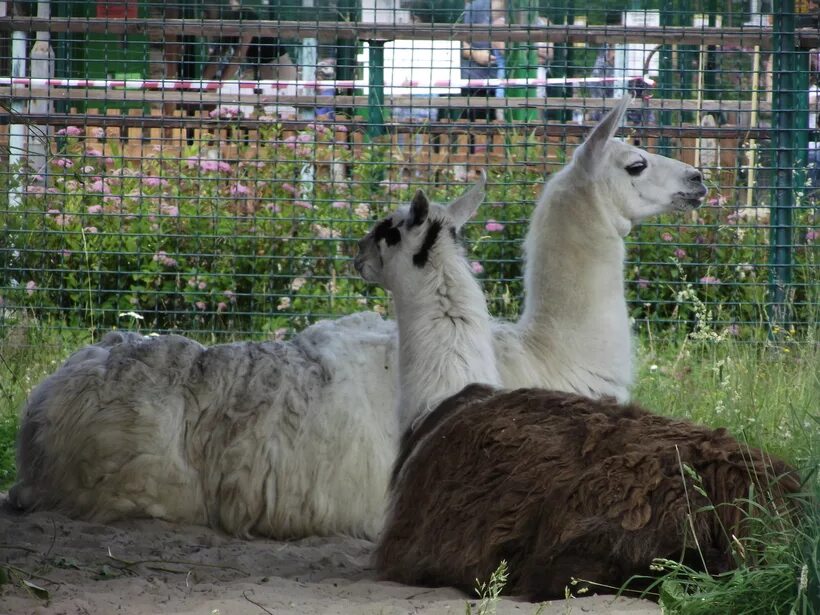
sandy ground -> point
(156, 567)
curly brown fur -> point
(563, 487)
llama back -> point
(561, 486)
(227, 435)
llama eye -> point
(636, 168)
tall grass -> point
(28, 353)
(768, 396)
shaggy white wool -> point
(278, 439)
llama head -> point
(406, 242)
(637, 183)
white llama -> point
(559, 485)
(291, 439)
(574, 333)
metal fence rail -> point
(207, 167)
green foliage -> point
(490, 591)
(264, 244)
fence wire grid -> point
(207, 167)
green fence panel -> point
(232, 209)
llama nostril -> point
(696, 177)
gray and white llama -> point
(561, 486)
(292, 439)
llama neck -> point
(445, 339)
(574, 278)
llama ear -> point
(590, 153)
(419, 208)
(463, 208)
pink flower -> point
(477, 267)
(99, 186)
(208, 165)
(224, 167)
(667, 237)
(114, 201)
(273, 208)
(162, 258)
(230, 296)
(200, 305)
(811, 236)
(31, 286)
(35, 190)
(320, 128)
(289, 188)
(225, 112)
(70, 131)
(90, 229)
(202, 286)
(95, 209)
(65, 253)
(154, 182)
(340, 204)
(680, 253)
(61, 219)
(221, 306)
(88, 169)
(303, 204)
(732, 330)
(238, 189)
(290, 142)
(93, 151)
(109, 162)
(304, 137)
(708, 279)
(393, 186)
(643, 283)
(64, 163)
(492, 226)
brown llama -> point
(564, 487)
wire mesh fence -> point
(209, 166)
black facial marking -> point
(386, 231)
(453, 233)
(421, 257)
(419, 207)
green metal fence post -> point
(375, 97)
(665, 77)
(785, 142)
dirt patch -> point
(149, 566)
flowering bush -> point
(263, 242)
